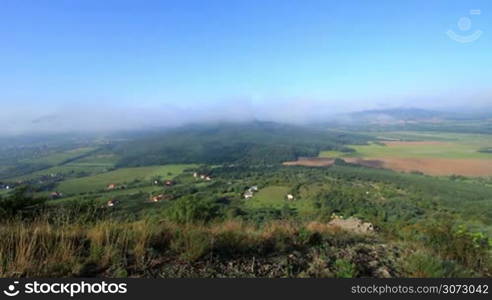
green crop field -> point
(68, 169)
(445, 150)
(120, 176)
(58, 158)
(275, 197)
(98, 160)
(271, 196)
(451, 145)
(470, 138)
(90, 165)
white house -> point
(248, 194)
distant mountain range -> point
(465, 121)
(401, 115)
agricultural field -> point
(120, 176)
(271, 196)
(60, 157)
(429, 153)
(84, 166)
(275, 197)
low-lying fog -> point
(32, 119)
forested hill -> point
(254, 142)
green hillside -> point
(257, 142)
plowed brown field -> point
(431, 166)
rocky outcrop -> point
(352, 224)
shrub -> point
(232, 238)
(344, 269)
(470, 249)
(191, 243)
(192, 210)
(19, 202)
(422, 264)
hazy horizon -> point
(118, 65)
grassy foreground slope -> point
(425, 227)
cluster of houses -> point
(152, 198)
(56, 195)
(10, 185)
(112, 202)
(159, 198)
(250, 192)
(111, 186)
(5, 187)
(114, 186)
(202, 176)
(166, 182)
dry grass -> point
(440, 166)
(42, 249)
(323, 228)
(39, 248)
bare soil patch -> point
(431, 166)
(371, 163)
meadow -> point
(120, 176)
(88, 165)
(275, 197)
(270, 196)
(60, 157)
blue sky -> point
(201, 54)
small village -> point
(152, 198)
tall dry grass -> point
(39, 248)
(104, 248)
